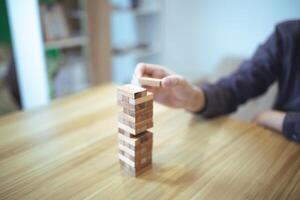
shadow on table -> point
(175, 174)
(213, 122)
(172, 175)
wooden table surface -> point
(68, 150)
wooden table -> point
(68, 150)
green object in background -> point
(47, 1)
(54, 59)
(5, 38)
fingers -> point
(149, 89)
(140, 70)
(172, 81)
(150, 70)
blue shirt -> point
(277, 60)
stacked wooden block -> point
(135, 141)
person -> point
(278, 59)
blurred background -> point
(53, 48)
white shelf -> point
(142, 53)
(146, 11)
(66, 43)
(136, 36)
(139, 52)
(139, 11)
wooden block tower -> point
(135, 141)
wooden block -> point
(147, 81)
(138, 118)
(144, 116)
(137, 150)
(140, 152)
(138, 157)
(135, 125)
(125, 133)
(137, 165)
(127, 161)
(142, 164)
(128, 169)
(134, 113)
(140, 100)
(135, 141)
(132, 91)
(135, 172)
(138, 130)
(137, 107)
(145, 105)
(135, 153)
(122, 99)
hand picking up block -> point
(147, 81)
(135, 141)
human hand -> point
(175, 92)
(271, 119)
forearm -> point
(271, 119)
(252, 79)
(196, 101)
(286, 123)
(218, 100)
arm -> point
(178, 93)
(286, 122)
(251, 80)
(271, 119)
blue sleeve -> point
(252, 79)
(291, 126)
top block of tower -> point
(132, 91)
(148, 81)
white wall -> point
(179, 36)
(200, 34)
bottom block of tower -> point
(135, 152)
(135, 171)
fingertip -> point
(150, 89)
(171, 81)
(141, 64)
(166, 82)
(139, 69)
(138, 74)
(146, 87)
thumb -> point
(172, 81)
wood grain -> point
(69, 150)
